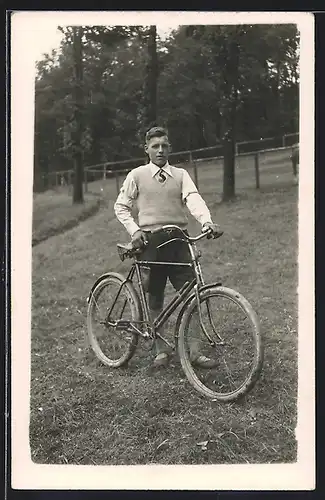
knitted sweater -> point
(157, 203)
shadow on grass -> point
(65, 225)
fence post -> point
(196, 179)
(283, 140)
(86, 180)
(196, 176)
(257, 169)
(104, 173)
(117, 182)
(69, 181)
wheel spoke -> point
(112, 345)
(211, 321)
(230, 366)
(229, 374)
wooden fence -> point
(188, 159)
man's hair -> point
(156, 132)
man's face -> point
(158, 149)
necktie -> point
(161, 176)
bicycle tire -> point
(132, 298)
(257, 341)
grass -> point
(54, 213)
(84, 413)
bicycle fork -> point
(208, 336)
(198, 271)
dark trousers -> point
(156, 276)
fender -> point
(187, 301)
(104, 276)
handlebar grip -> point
(210, 234)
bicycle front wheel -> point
(113, 345)
(222, 360)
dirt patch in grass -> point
(85, 413)
(54, 213)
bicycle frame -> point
(198, 306)
(181, 296)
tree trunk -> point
(95, 146)
(228, 192)
(278, 115)
(150, 88)
(200, 137)
(229, 121)
(78, 116)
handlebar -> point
(191, 239)
(131, 252)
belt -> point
(167, 231)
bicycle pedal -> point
(148, 343)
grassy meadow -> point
(82, 412)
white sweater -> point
(159, 203)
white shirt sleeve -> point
(194, 200)
(124, 204)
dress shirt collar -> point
(155, 169)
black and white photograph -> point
(162, 261)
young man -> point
(161, 194)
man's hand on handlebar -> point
(139, 240)
(211, 230)
(214, 230)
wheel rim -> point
(234, 354)
(111, 344)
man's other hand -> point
(139, 239)
(215, 229)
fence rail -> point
(188, 159)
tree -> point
(147, 113)
(78, 116)
(205, 81)
(151, 79)
(247, 65)
(230, 77)
(187, 104)
(224, 43)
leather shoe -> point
(161, 360)
(203, 362)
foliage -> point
(197, 87)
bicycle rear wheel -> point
(235, 348)
(113, 345)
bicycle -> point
(229, 326)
